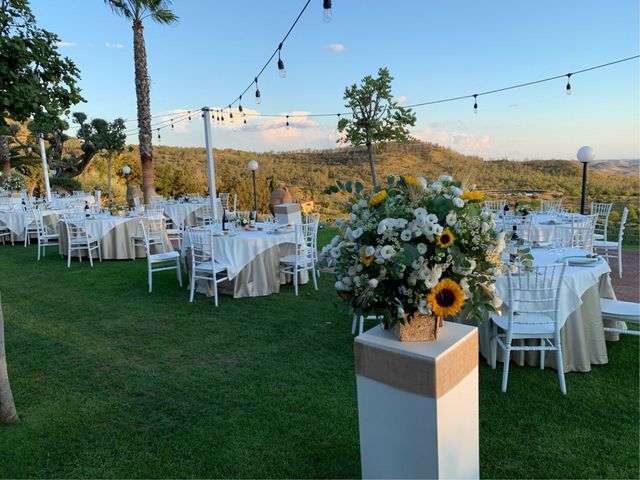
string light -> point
(158, 130)
(281, 70)
(230, 113)
(258, 99)
(287, 121)
(240, 104)
(172, 124)
(327, 14)
(189, 115)
(475, 103)
(568, 88)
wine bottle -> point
(86, 209)
(224, 220)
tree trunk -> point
(5, 156)
(109, 165)
(144, 110)
(7, 407)
(372, 164)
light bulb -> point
(281, 70)
(568, 90)
(258, 99)
(287, 122)
(327, 15)
(475, 108)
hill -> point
(618, 167)
(307, 173)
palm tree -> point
(137, 11)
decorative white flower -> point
(369, 251)
(424, 182)
(422, 248)
(437, 229)
(359, 268)
(335, 252)
(458, 202)
(445, 178)
(387, 252)
(351, 270)
(424, 308)
(485, 227)
(451, 219)
(373, 283)
(432, 218)
(347, 281)
(400, 312)
(382, 227)
(406, 235)
(339, 285)
(357, 281)
(420, 213)
(456, 191)
(352, 217)
(464, 284)
(436, 187)
(357, 233)
(401, 222)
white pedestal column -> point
(418, 404)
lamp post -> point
(253, 166)
(585, 155)
(126, 170)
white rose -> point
(436, 187)
(456, 191)
(401, 222)
(357, 233)
(405, 235)
(422, 248)
(451, 219)
(458, 202)
(382, 227)
(445, 178)
(437, 229)
(387, 252)
(373, 283)
(369, 251)
(432, 218)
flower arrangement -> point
(13, 183)
(416, 247)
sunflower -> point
(379, 197)
(445, 239)
(366, 260)
(446, 298)
(472, 195)
(413, 181)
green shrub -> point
(66, 184)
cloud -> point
(336, 48)
(401, 100)
(65, 44)
(113, 45)
(468, 143)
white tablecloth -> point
(238, 249)
(577, 280)
(16, 221)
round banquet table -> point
(115, 235)
(583, 337)
(16, 220)
(253, 259)
(185, 213)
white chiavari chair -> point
(610, 249)
(204, 266)
(153, 235)
(603, 210)
(45, 238)
(157, 262)
(303, 258)
(532, 313)
(78, 239)
(496, 206)
(550, 206)
(315, 219)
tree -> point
(137, 11)
(7, 406)
(376, 118)
(100, 135)
(35, 80)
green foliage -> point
(36, 81)
(157, 10)
(66, 184)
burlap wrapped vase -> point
(421, 328)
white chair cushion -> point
(206, 267)
(528, 323)
(174, 231)
(618, 310)
(291, 260)
(83, 240)
(161, 257)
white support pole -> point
(206, 115)
(45, 168)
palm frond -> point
(163, 15)
(120, 8)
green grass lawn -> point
(111, 381)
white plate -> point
(582, 260)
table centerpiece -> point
(414, 252)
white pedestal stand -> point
(418, 404)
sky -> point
(433, 49)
